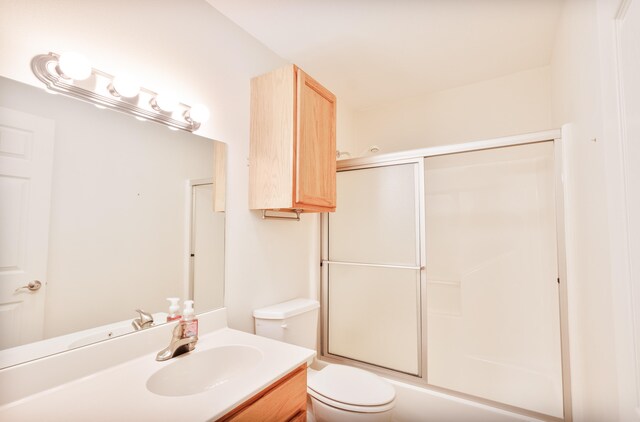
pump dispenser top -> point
(174, 309)
(187, 313)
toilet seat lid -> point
(352, 386)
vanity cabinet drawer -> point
(283, 401)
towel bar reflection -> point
(265, 216)
(361, 264)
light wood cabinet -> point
(292, 158)
(283, 401)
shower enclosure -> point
(441, 266)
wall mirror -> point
(108, 214)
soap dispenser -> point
(173, 309)
(189, 321)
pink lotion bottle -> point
(189, 321)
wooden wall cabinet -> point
(292, 158)
(283, 401)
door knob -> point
(32, 286)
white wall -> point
(576, 80)
(619, 30)
(509, 105)
(345, 127)
(186, 46)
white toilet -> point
(338, 393)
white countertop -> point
(119, 393)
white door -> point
(26, 159)
(207, 249)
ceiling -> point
(372, 52)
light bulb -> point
(199, 113)
(125, 87)
(74, 66)
(166, 102)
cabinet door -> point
(285, 400)
(315, 145)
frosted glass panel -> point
(373, 315)
(492, 308)
(376, 219)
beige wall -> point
(619, 31)
(513, 104)
(576, 82)
(189, 47)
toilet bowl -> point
(338, 393)
(343, 393)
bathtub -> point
(420, 404)
(417, 404)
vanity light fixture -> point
(73, 66)
(124, 87)
(198, 113)
(72, 74)
(164, 102)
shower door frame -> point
(418, 156)
(421, 255)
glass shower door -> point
(373, 291)
(492, 278)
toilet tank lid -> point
(286, 309)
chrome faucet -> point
(145, 320)
(178, 345)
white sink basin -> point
(200, 371)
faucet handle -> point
(145, 317)
(177, 332)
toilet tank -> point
(295, 322)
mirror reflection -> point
(110, 214)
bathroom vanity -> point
(231, 376)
